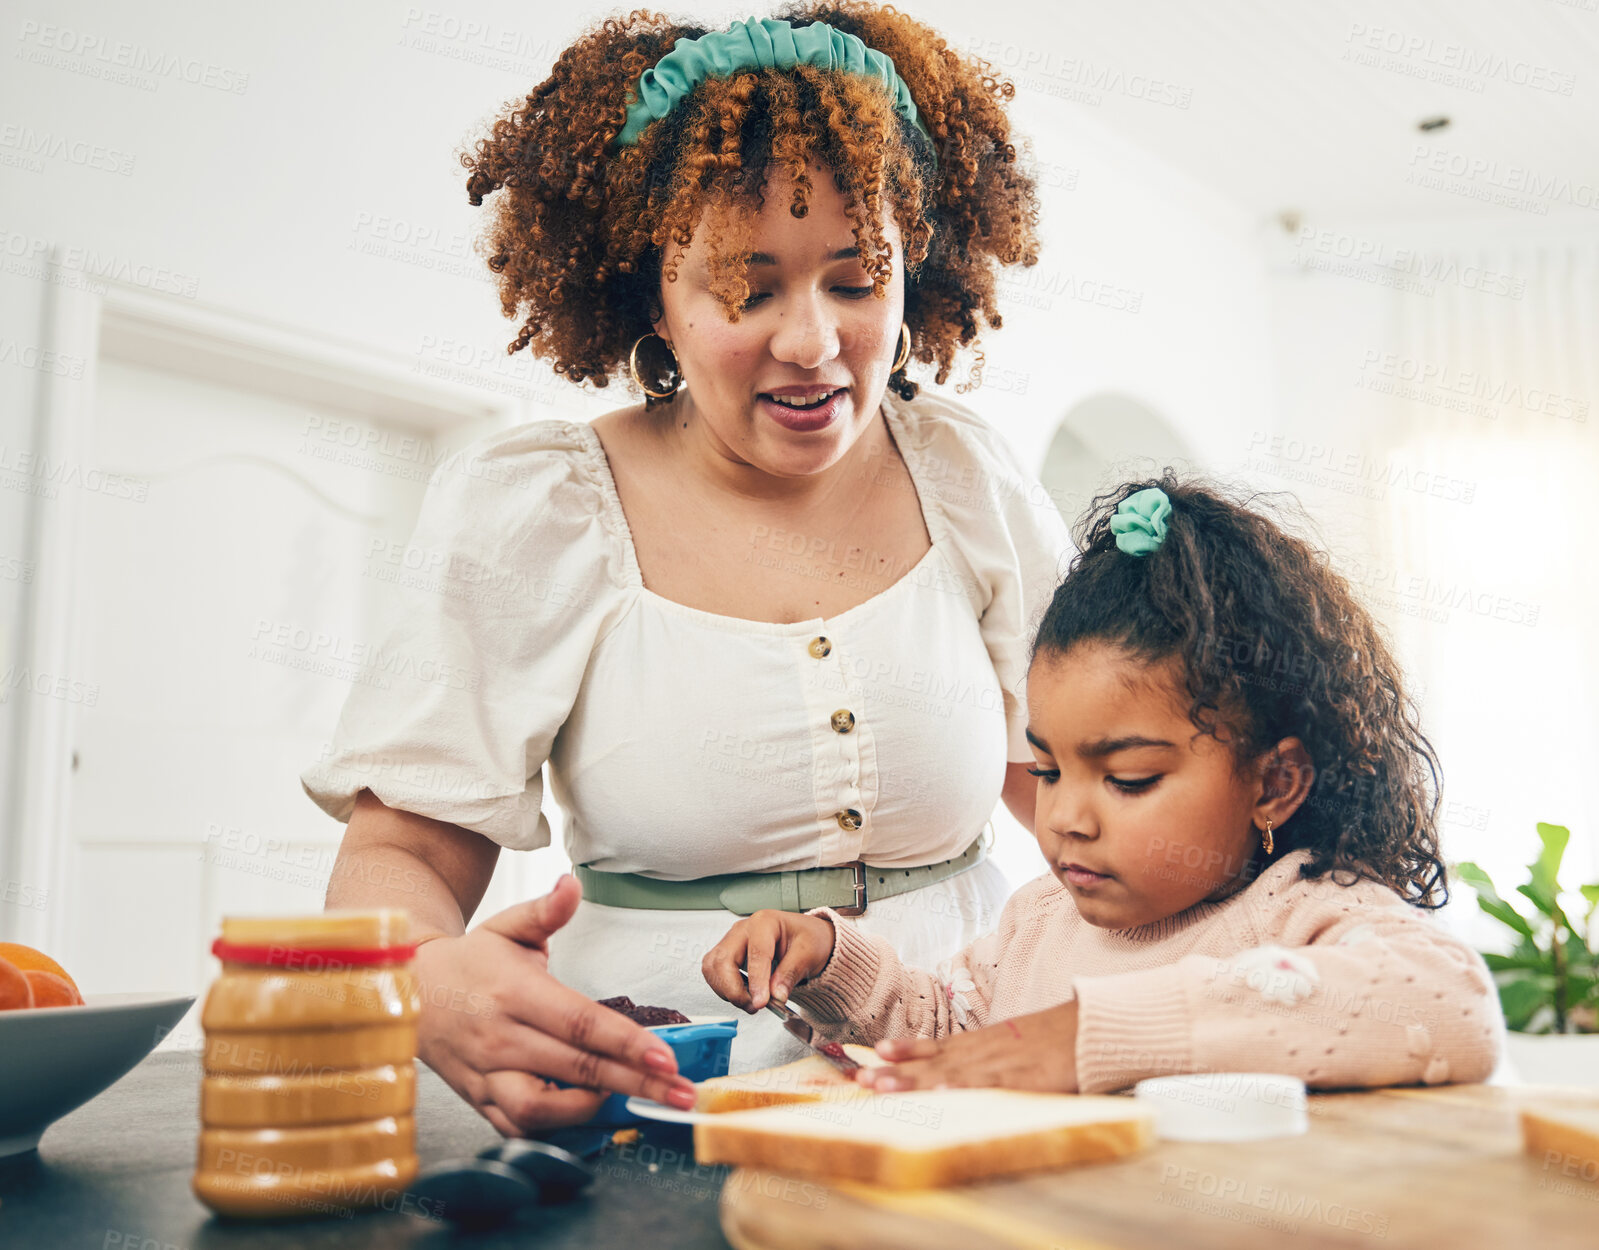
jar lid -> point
(345, 929)
(1225, 1106)
(324, 942)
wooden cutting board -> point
(1426, 1168)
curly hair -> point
(1272, 643)
(579, 233)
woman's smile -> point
(790, 410)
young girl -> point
(1239, 816)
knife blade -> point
(799, 1027)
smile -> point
(805, 410)
(803, 401)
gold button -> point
(849, 819)
(843, 720)
(820, 648)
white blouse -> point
(682, 743)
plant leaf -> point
(1545, 869)
(1542, 901)
(1577, 953)
(1513, 963)
(1526, 948)
(1520, 998)
(1506, 914)
(1584, 989)
(1488, 898)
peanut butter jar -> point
(309, 1085)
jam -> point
(649, 1017)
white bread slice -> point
(811, 1079)
(928, 1137)
(1566, 1137)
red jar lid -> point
(311, 958)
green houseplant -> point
(1549, 979)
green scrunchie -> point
(1140, 521)
(758, 43)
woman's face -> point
(1138, 816)
(811, 326)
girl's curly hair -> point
(1272, 643)
(578, 236)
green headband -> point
(758, 43)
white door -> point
(217, 617)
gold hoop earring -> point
(632, 367)
(1265, 840)
(901, 360)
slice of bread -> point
(811, 1079)
(1566, 1138)
(928, 1137)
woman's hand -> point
(1037, 1051)
(498, 1027)
(799, 945)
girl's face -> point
(1139, 816)
(811, 326)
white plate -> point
(660, 1111)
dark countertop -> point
(114, 1175)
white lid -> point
(1225, 1106)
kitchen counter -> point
(1399, 1167)
(114, 1175)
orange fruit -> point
(50, 990)
(26, 958)
(14, 988)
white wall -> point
(1441, 431)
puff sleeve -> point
(1015, 543)
(510, 579)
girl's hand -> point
(798, 945)
(498, 1027)
(1037, 1051)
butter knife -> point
(798, 1026)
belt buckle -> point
(858, 907)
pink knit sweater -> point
(1340, 985)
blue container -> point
(702, 1051)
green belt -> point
(843, 888)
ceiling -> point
(1311, 106)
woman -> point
(768, 628)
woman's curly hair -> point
(579, 233)
(1272, 643)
